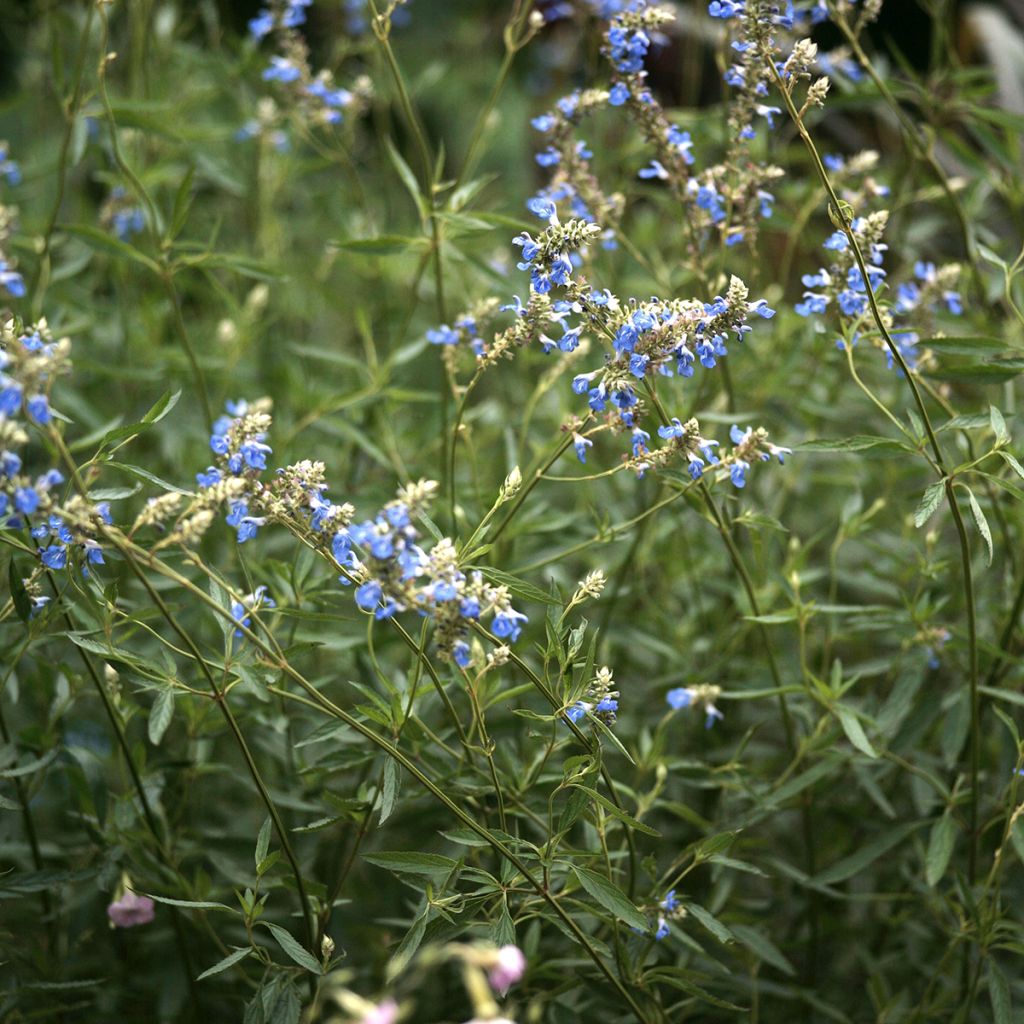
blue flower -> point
(655, 170)
(680, 697)
(11, 280)
(209, 477)
(576, 712)
(461, 654)
(39, 408)
(738, 473)
(443, 335)
(581, 445)
(837, 241)
(672, 429)
(281, 69)
(26, 500)
(548, 157)
(368, 595)
(255, 453)
(506, 624)
(619, 94)
(54, 557)
(542, 207)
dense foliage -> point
(510, 513)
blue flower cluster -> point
(395, 573)
(315, 97)
(384, 556)
(11, 282)
(29, 362)
(290, 14)
(123, 214)
(932, 290)
(601, 700)
(239, 443)
(703, 695)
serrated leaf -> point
(940, 849)
(980, 522)
(229, 961)
(611, 897)
(293, 948)
(854, 730)
(160, 716)
(930, 501)
(710, 922)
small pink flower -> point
(131, 910)
(383, 1013)
(509, 966)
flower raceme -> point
(385, 557)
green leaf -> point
(998, 425)
(519, 587)
(866, 855)
(263, 841)
(30, 767)
(432, 865)
(710, 922)
(182, 204)
(999, 994)
(980, 522)
(965, 345)
(229, 961)
(1012, 462)
(930, 501)
(412, 186)
(383, 245)
(19, 595)
(995, 372)
(940, 849)
(160, 716)
(291, 946)
(190, 904)
(675, 977)
(854, 730)
(858, 443)
(617, 812)
(389, 791)
(762, 947)
(611, 897)
(105, 242)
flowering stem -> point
(838, 212)
(918, 142)
(132, 552)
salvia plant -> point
(510, 513)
